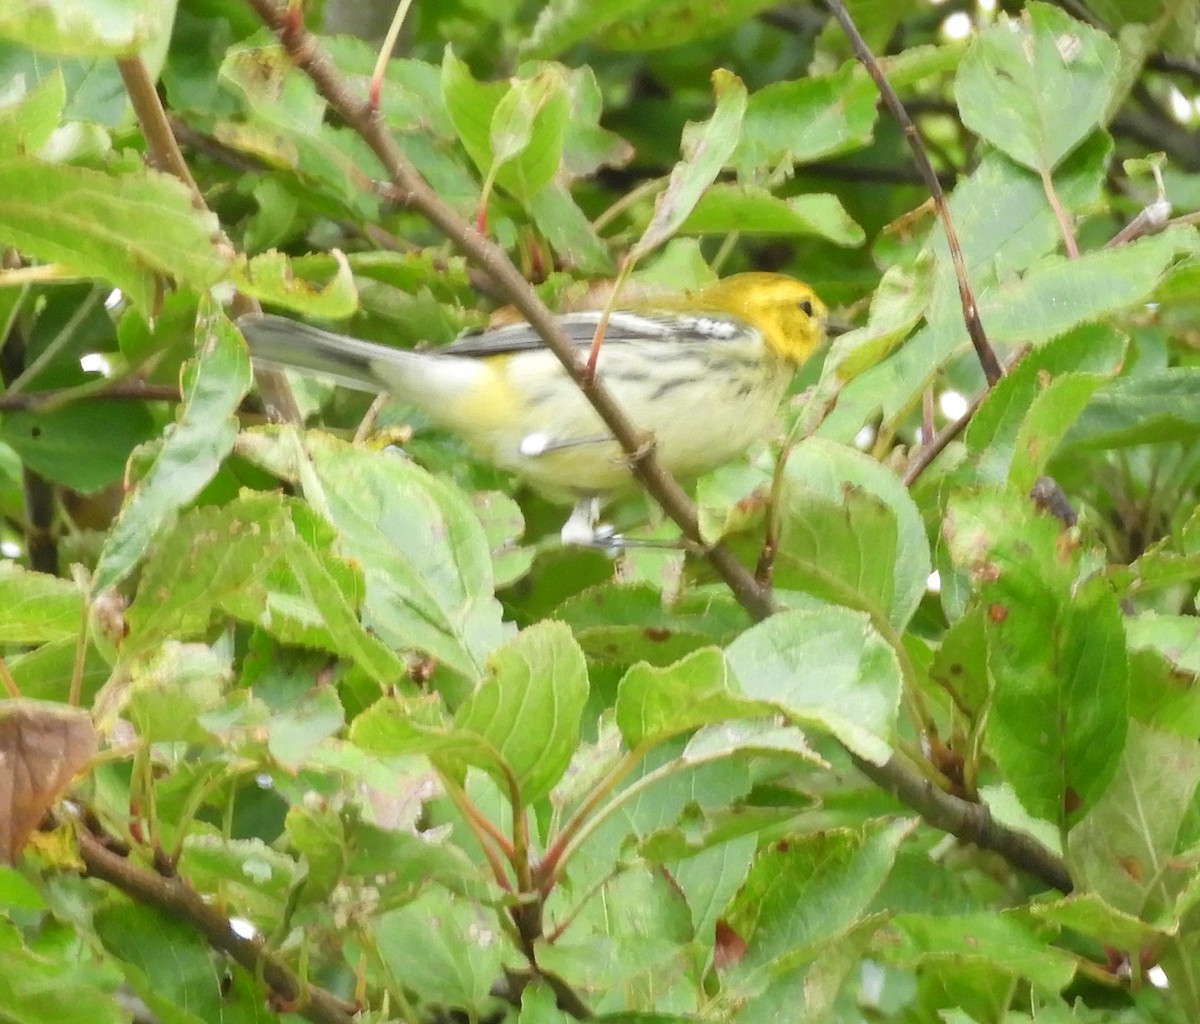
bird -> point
(701, 372)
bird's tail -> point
(288, 344)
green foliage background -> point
(360, 700)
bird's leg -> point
(582, 529)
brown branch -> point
(972, 822)
(937, 444)
(983, 349)
(160, 143)
(410, 188)
(164, 152)
(175, 897)
(126, 390)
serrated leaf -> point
(423, 554)
(1122, 849)
(38, 608)
(125, 229)
(1056, 654)
(263, 559)
(1035, 88)
(449, 949)
(528, 706)
(750, 210)
(624, 623)
(805, 891)
(799, 121)
(214, 385)
(999, 941)
(1088, 914)
(706, 148)
(270, 277)
(1152, 408)
(1019, 424)
(655, 704)
(826, 668)
(875, 521)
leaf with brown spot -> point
(43, 746)
(728, 948)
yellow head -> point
(787, 311)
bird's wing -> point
(580, 328)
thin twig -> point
(152, 118)
(126, 391)
(410, 188)
(164, 152)
(983, 349)
(176, 898)
(937, 444)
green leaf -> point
(624, 623)
(95, 224)
(899, 302)
(448, 949)
(654, 704)
(1164, 676)
(64, 446)
(271, 277)
(118, 28)
(531, 119)
(960, 665)
(999, 941)
(423, 554)
(263, 559)
(706, 150)
(805, 891)
(164, 695)
(1088, 914)
(214, 385)
(1037, 87)
(528, 706)
(633, 937)
(828, 668)
(28, 118)
(17, 892)
(1056, 653)
(1122, 850)
(1151, 408)
(568, 230)
(750, 210)
(513, 131)
(37, 608)
(797, 122)
(36, 987)
(849, 531)
(166, 962)
(1019, 424)
(672, 23)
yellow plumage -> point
(703, 373)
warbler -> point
(702, 373)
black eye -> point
(805, 307)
